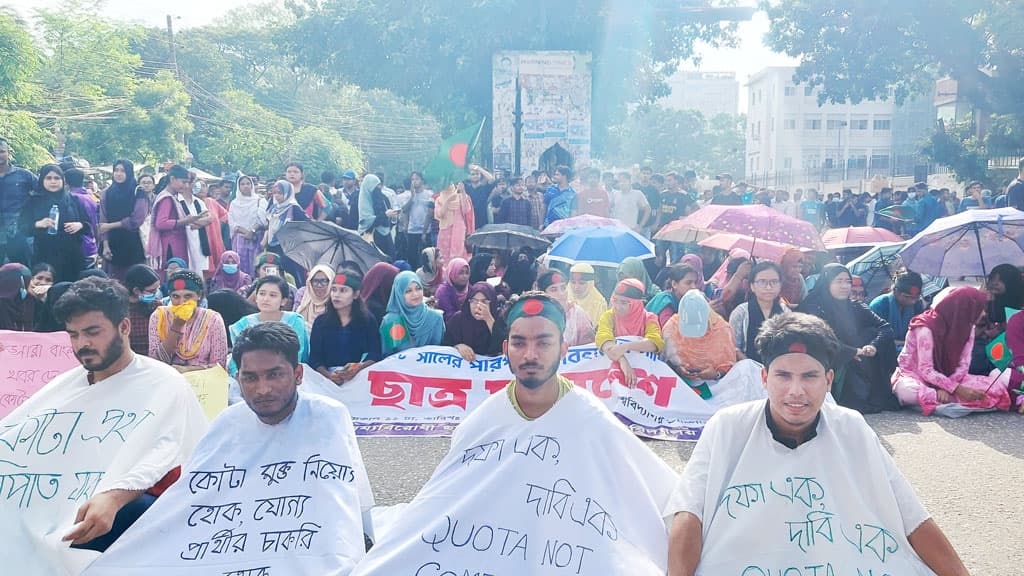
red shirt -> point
(593, 201)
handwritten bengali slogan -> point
(428, 391)
(28, 361)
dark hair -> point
(281, 284)
(74, 178)
(478, 266)
(42, 175)
(564, 171)
(514, 180)
(231, 306)
(734, 265)
(295, 164)
(975, 183)
(327, 177)
(271, 336)
(140, 276)
(677, 272)
(762, 266)
(151, 177)
(93, 273)
(361, 315)
(416, 173)
(177, 171)
(795, 327)
(93, 295)
(44, 267)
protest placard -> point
(211, 388)
(28, 361)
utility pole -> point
(170, 46)
(517, 124)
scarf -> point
(662, 300)
(792, 286)
(311, 306)
(366, 213)
(468, 330)
(951, 322)
(119, 199)
(455, 267)
(428, 274)
(198, 206)
(281, 213)
(249, 212)
(837, 313)
(633, 267)
(593, 303)
(425, 326)
(222, 279)
(634, 322)
(193, 334)
(697, 264)
(378, 282)
(755, 317)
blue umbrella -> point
(967, 244)
(600, 247)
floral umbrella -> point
(757, 221)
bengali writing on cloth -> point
(28, 361)
(72, 440)
(428, 391)
(571, 493)
(257, 500)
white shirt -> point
(196, 259)
(628, 207)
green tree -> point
(19, 61)
(320, 149)
(242, 135)
(29, 142)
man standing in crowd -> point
(675, 203)
(652, 193)
(117, 429)
(560, 197)
(973, 198)
(727, 195)
(419, 212)
(16, 184)
(1015, 191)
(792, 481)
(592, 198)
(479, 188)
(307, 195)
(629, 204)
(811, 210)
(350, 189)
(517, 208)
(518, 465)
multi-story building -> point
(710, 93)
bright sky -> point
(750, 57)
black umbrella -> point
(507, 237)
(311, 243)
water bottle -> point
(55, 216)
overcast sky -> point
(750, 57)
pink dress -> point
(455, 217)
(916, 378)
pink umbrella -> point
(757, 221)
(581, 222)
(858, 235)
(764, 249)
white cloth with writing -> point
(572, 492)
(72, 440)
(257, 500)
(835, 500)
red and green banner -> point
(451, 163)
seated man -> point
(789, 483)
(276, 487)
(899, 306)
(540, 479)
(86, 454)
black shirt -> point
(812, 432)
(1015, 194)
(674, 205)
(479, 195)
(728, 200)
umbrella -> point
(310, 243)
(856, 236)
(581, 222)
(967, 244)
(758, 221)
(757, 248)
(600, 247)
(878, 266)
(506, 237)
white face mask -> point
(911, 195)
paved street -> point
(969, 472)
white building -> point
(710, 93)
(792, 141)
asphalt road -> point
(968, 472)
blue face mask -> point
(147, 298)
(24, 293)
(230, 268)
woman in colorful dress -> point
(247, 218)
(763, 303)
(283, 210)
(409, 323)
(452, 294)
(271, 293)
(345, 338)
(627, 317)
(184, 335)
(579, 329)
(229, 275)
(311, 300)
(454, 212)
(585, 294)
(699, 343)
(679, 279)
(376, 287)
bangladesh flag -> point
(999, 353)
(899, 212)
(452, 160)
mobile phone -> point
(272, 271)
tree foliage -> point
(242, 135)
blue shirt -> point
(810, 211)
(15, 186)
(886, 308)
(332, 345)
(559, 202)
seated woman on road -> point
(229, 275)
(409, 323)
(452, 293)
(311, 299)
(627, 317)
(376, 289)
(763, 303)
(431, 270)
(271, 293)
(1005, 287)
(698, 342)
(578, 328)
(184, 335)
(867, 353)
(794, 287)
(633, 267)
(933, 366)
(478, 328)
(344, 339)
(585, 294)
(681, 278)
(736, 288)
(143, 284)
(1013, 377)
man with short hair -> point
(95, 446)
(1015, 191)
(541, 475)
(793, 481)
(517, 208)
(350, 191)
(675, 203)
(901, 305)
(727, 194)
(479, 188)
(652, 192)
(811, 210)
(973, 197)
(592, 197)
(560, 197)
(418, 212)
(629, 205)
(278, 480)
(16, 184)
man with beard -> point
(541, 475)
(91, 450)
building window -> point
(789, 124)
(812, 124)
(790, 90)
(808, 90)
(882, 125)
(836, 124)
(787, 163)
(861, 124)
(879, 161)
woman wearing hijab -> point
(284, 209)
(579, 329)
(345, 338)
(933, 366)
(56, 243)
(454, 212)
(311, 300)
(697, 263)
(409, 323)
(763, 303)
(375, 289)
(45, 321)
(229, 275)
(123, 209)
(736, 288)
(794, 287)
(477, 328)
(584, 293)
(452, 294)
(375, 213)
(247, 218)
(679, 279)
(17, 308)
(1006, 290)
(431, 269)
(521, 273)
(867, 351)
(627, 317)
(633, 267)
(481, 267)
(699, 344)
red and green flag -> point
(999, 353)
(452, 161)
(899, 212)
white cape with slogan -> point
(572, 492)
(835, 505)
(257, 500)
(72, 440)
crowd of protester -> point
(203, 261)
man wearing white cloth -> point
(88, 451)
(540, 479)
(792, 486)
(276, 488)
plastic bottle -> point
(55, 216)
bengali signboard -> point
(28, 361)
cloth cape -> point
(574, 481)
(323, 489)
(123, 433)
(837, 499)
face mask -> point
(147, 298)
(230, 268)
(184, 311)
(911, 195)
